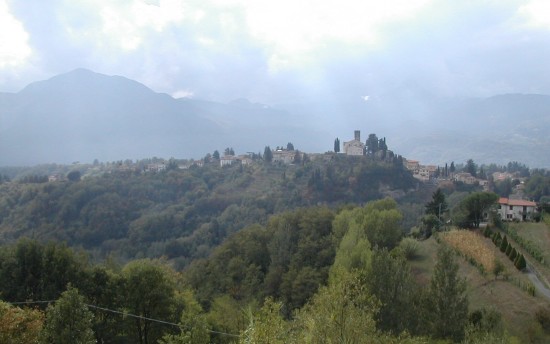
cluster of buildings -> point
(421, 172)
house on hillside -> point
(284, 156)
(158, 167)
(355, 146)
(227, 160)
(465, 178)
(516, 209)
(412, 165)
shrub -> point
(409, 246)
(487, 232)
(509, 249)
(498, 268)
(504, 244)
(520, 262)
(497, 239)
(513, 254)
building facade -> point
(355, 146)
(516, 209)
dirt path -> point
(539, 285)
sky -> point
(284, 51)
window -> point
(511, 207)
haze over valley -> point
(83, 116)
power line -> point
(124, 314)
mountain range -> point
(83, 115)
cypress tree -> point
(504, 244)
(520, 262)
(509, 249)
(513, 255)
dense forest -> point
(308, 276)
(183, 213)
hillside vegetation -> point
(183, 214)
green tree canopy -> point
(149, 293)
(268, 155)
(68, 321)
(471, 167)
(216, 155)
(448, 301)
(438, 205)
(471, 210)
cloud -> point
(536, 13)
(14, 48)
(285, 51)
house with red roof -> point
(516, 209)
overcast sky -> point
(284, 50)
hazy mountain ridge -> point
(82, 115)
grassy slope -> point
(515, 305)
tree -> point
(520, 262)
(266, 326)
(372, 144)
(471, 167)
(289, 146)
(337, 145)
(429, 224)
(449, 304)
(229, 151)
(474, 206)
(268, 155)
(438, 204)
(73, 176)
(381, 222)
(390, 280)
(216, 155)
(498, 268)
(452, 168)
(194, 328)
(19, 326)
(504, 244)
(69, 320)
(148, 292)
(342, 312)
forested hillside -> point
(183, 214)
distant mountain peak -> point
(82, 80)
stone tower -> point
(358, 135)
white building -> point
(227, 160)
(355, 146)
(155, 167)
(516, 209)
(284, 156)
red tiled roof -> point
(516, 202)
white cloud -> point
(365, 98)
(14, 48)
(296, 31)
(537, 13)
